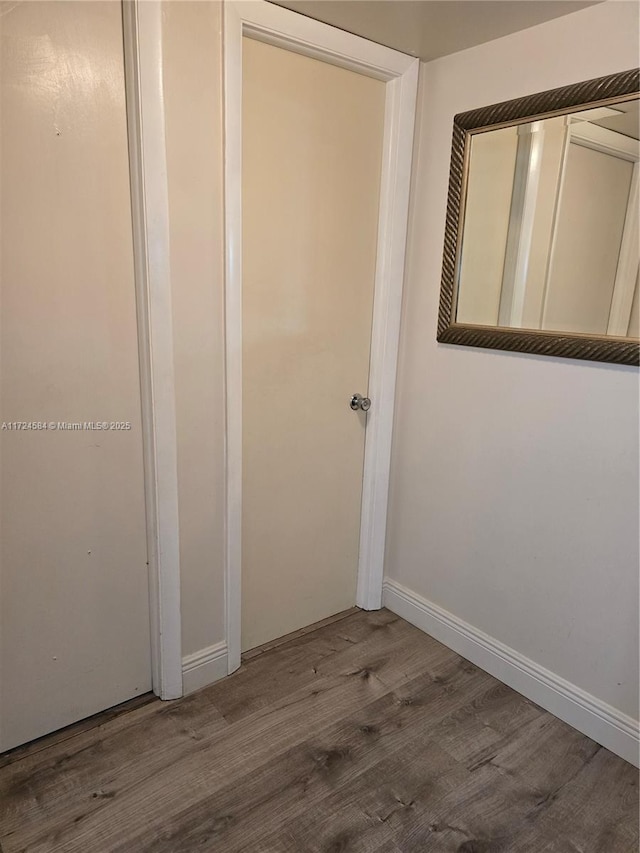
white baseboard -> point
(204, 667)
(594, 718)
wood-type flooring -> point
(362, 736)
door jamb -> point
(142, 29)
(283, 28)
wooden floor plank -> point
(486, 723)
(596, 808)
(363, 811)
(345, 646)
(78, 777)
(288, 639)
(329, 760)
(214, 763)
(121, 713)
(364, 736)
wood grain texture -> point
(363, 736)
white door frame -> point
(142, 27)
(283, 28)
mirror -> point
(542, 236)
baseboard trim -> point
(204, 667)
(589, 715)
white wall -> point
(514, 494)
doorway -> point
(307, 476)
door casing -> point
(142, 28)
(282, 28)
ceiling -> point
(433, 28)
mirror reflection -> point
(551, 232)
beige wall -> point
(488, 204)
(514, 494)
(192, 87)
(588, 240)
